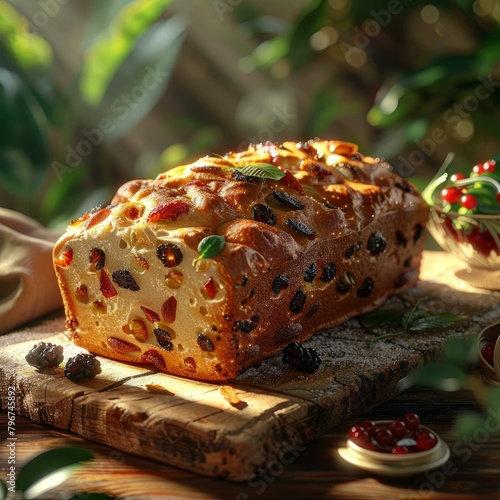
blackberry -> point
(301, 228)
(288, 200)
(301, 358)
(281, 282)
(328, 273)
(82, 367)
(376, 243)
(97, 257)
(298, 301)
(310, 273)
(124, 279)
(366, 288)
(262, 213)
(169, 254)
(44, 355)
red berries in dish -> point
(487, 349)
(398, 437)
(412, 421)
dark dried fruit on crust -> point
(311, 272)
(328, 272)
(376, 243)
(366, 288)
(301, 228)
(262, 213)
(298, 301)
(288, 200)
(280, 283)
(246, 325)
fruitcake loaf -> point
(215, 265)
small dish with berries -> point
(395, 447)
(489, 353)
(465, 218)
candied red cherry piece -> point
(451, 195)
(487, 350)
(398, 429)
(384, 437)
(400, 450)
(370, 427)
(411, 420)
(426, 440)
(357, 432)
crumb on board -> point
(158, 389)
(229, 394)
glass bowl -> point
(473, 238)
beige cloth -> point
(28, 285)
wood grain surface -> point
(191, 425)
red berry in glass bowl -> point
(400, 450)
(487, 350)
(398, 429)
(468, 201)
(451, 195)
(384, 437)
(411, 420)
(370, 427)
(357, 432)
(426, 440)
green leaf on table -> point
(210, 246)
(263, 171)
(398, 322)
(49, 469)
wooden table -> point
(311, 471)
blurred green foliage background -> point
(95, 93)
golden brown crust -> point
(343, 230)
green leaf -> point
(143, 77)
(263, 171)
(211, 246)
(381, 317)
(91, 496)
(434, 321)
(465, 425)
(49, 469)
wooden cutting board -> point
(191, 425)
